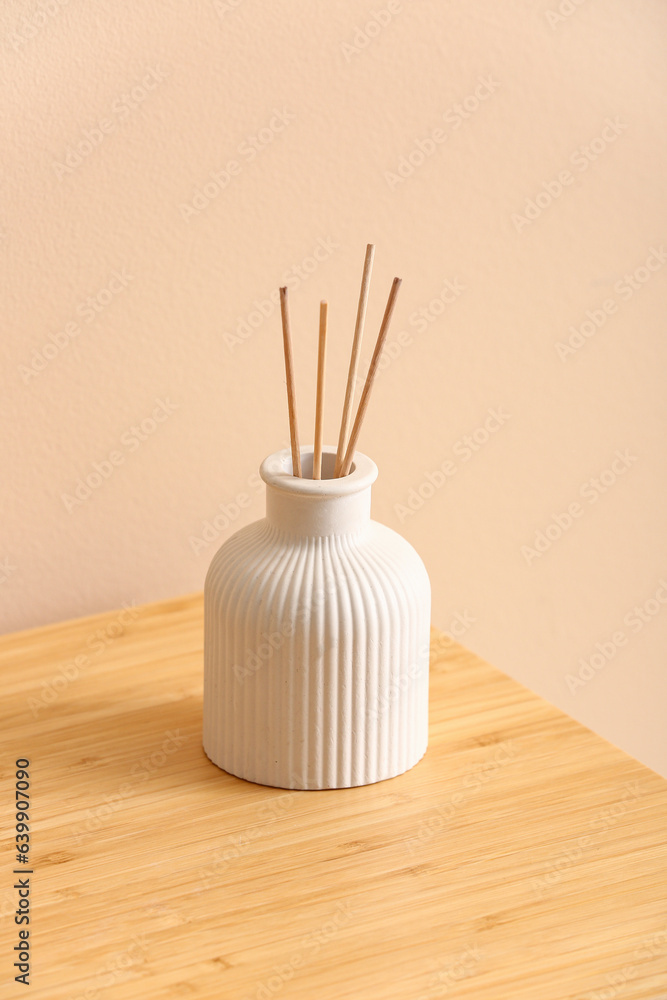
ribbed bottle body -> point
(316, 653)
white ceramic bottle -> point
(316, 644)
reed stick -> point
(354, 358)
(291, 394)
(319, 399)
(372, 371)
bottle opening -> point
(328, 465)
(276, 470)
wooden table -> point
(523, 857)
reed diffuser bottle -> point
(316, 645)
(316, 618)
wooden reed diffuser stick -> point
(319, 400)
(372, 371)
(291, 395)
(354, 359)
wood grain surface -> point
(523, 857)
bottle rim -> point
(276, 471)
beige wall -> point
(131, 274)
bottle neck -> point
(313, 515)
(307, 507)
